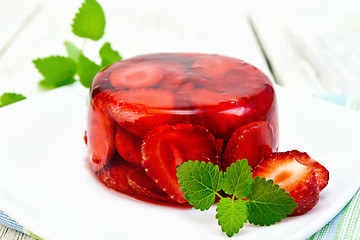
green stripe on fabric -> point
(349, 224)
(321, 234)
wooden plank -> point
(14, 17)
(313, 53)
(43, 36)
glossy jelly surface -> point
(150, 113)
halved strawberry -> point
(297, 180)
(99, 135)
(321, 173)
(137, 75)
(128, 146)
(114, 175)
(143, 185)
(166, 146)
(140, 110)
(253, 141)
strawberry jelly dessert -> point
(150, 113)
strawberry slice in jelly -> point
(214, 66)
(128, 146)
(217, 111)
(99, 136)
(253, 141)
(166, 146)
(143, 185)
(140, 110)
(137, 75)
(114, 175)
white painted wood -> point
(313, 53)
(14, 16)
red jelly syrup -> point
(150, 113)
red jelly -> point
(150, 113)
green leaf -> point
(72, 50)
(231, 215)
(89, 22)
(268, 203)
(200, 182)
(9, 98)
(238, 179)
(87, 70)
(56, 70)
(108, 55)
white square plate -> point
(46, 186)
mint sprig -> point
(89, 23)
(259, 201)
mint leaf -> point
(89, 22)
(200, 182)
(231, 215)
(108, 55)
(87, 70)
(238, 179)
(9, 98)
(72, 50)
(268, 203)
(57, 71)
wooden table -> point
(309, 46)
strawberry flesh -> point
(140, 110)
(128, 146)
(167, 146)
(296, 179)
(114, 175)
(253, 141)
(321, 173)
(143, 185)
(137, 75)
(99, 136)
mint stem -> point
(83, 45)
(221, 197)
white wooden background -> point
(311, 46)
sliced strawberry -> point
(174, 74)
(114, 176)
(297, 180)
(221, 113)
(137, 75)
(166, 146)
(321, 173)
(214, 66)
(99, 135)
(128, 146)
(143, 185)
(253, 141)
(140, 110)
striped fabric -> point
(344, 226)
